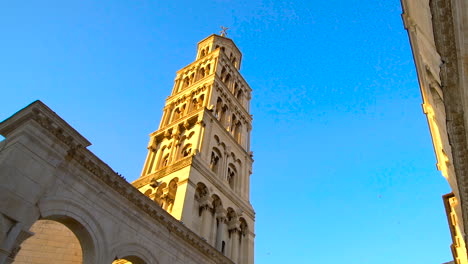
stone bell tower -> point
(199, 160)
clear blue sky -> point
(344, 168)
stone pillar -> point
(206, 219)
(214, 230)
(234, 245)
(221, 217)
(11, 244)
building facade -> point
(60, 203)
(438, 34)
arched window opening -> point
(177, 114)
(181, 111)
(171, 194)
(201, 99)
(219, 106)
(239, 95)
(186, 82)
(223, 49)
(208, 69)
(237, 134)
(165, 161)
(201, 73)
(192, 77)
(234, 61)
(231, 175)
(233, 124)
(202, 54)
(226, 79)
(243, 226)
(236, 88)
(214, 161)
(220, 111)
(222, 116)
(223, 73)
(201, 192)
(194, 104)
(159, 195)
(187, 150)
(148, 193)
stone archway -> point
(52, 242)
(133, 253)
(129, 260)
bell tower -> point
(199, 161)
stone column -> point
(221, 217)
(207, 220)
(224, 166)
(234, 245)
(214, 229)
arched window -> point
(159, 195)
(187, 150)
(239, 95)
(148, 193)
(202, 53)
(215, 158)
(194, 104)
(236, 88)
(220, 110)
(223, 73)
(201, 73)
(177, 114)
(171, 194)
(201, 192)
(234, 61)
(208, 68)
(227, 79)
(233, 124)
(186, 82)
(219, 106)
(165, 161)
(200, 101)
(192, 77)
(243, 226)
(236, 132)
(223, 49)
(231, 175)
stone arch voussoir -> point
(81, 222)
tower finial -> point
(223, 31)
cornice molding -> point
(444, 35)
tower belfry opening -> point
(199, 160)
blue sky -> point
(344, 168)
